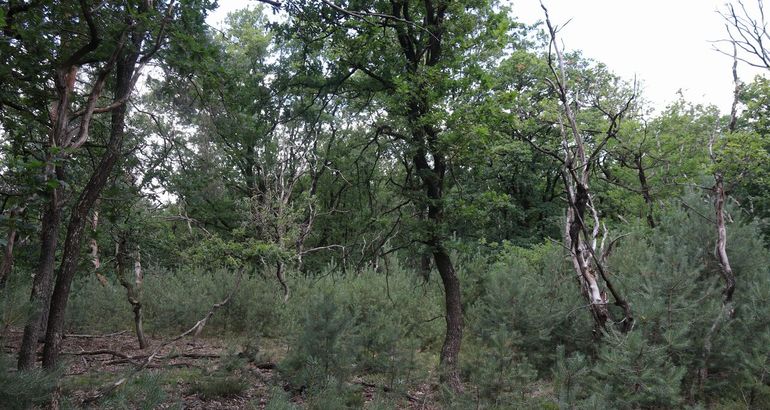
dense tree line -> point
(564, 232)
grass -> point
(218, 386)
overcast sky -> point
(666, 44)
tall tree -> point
(58, 52)
(418, 55)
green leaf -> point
(52, 183)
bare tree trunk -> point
(581, 242)
(581, 261)
(138, 314)
(94, 246)
(7, 264)
(133, 290)
(41, 283)
(279, 273)
(720, 196)
(450, 350)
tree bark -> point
(7, 264)
(727, 312)
(450, 350)
(645, 187)
(41, 283)
(279, 273)
(581, 241)
(432, 178)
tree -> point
(581, 238)
(68, 119)
(429, 51)
(101, 47)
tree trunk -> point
(94, 245)
(41, 284)
(133, 290)
(432, 178)
(138, 315)
(727, 312)
(7, 264)
(450, 351)
(576, 171)
(279, 273)
(581, 258)
(645, 186)
(76, 226)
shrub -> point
(22, 390)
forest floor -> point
(191, 374)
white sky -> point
(664, 43)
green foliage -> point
(350, 325)
(319, 355)
(571, 378)
(637, 374)
(141, 392)
(23, 390)
(526, 298)
(216, 386)
(279, 400)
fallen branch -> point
(95, 336)
(97, 352)
(135, 359)
(156, 352)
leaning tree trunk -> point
(76, 227)
(41, 283)
(720, 250)
(589, 262)
(581, 256)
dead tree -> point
(93, 245)
(582, 237)
(719, 195)
(747, 33)
(133, 287)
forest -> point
(380, 204)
